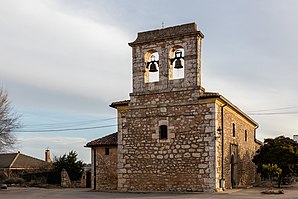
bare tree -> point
(9, 121)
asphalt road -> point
(291, 192)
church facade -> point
(173, 135)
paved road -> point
(40, 193)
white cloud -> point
(54, 49)
(73, 55)
(36, 144)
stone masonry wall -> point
(65, 180)
(189, 39)
(218, 146)
(189, 159)
(106, 169)
(183, 162)
(243, 150)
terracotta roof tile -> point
(209, 95)
(111, 139)
(19, 160)
(120, 103)
(6, 159)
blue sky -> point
(64, 61)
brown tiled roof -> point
(111, 139)
(209, 95)
(19, 160)
(6, 159)
(120, 103)
(25, 161)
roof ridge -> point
(110, 139)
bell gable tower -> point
(172, 135)
(167, 59)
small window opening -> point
(163, 132)
(234, 130)
(152, 67)
(107, 151)
(245, 135)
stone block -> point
(196, 155)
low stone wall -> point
(67, 183)
(65, 180)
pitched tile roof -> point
(209, 95)
(6, 159)
(111, 139)
(120, 103)
(19, 160)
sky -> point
(63, 62)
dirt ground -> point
(290, 192)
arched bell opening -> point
(151, 66)
(176, 57)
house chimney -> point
(48, 156)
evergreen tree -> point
(280, 151)
(71, 164)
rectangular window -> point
(107, 151)
(234, 130)
(163, 132)
(245, 135)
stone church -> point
(173, 135)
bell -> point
(178, 64)
(177, 59)
(152, 67)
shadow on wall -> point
(244, 170)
